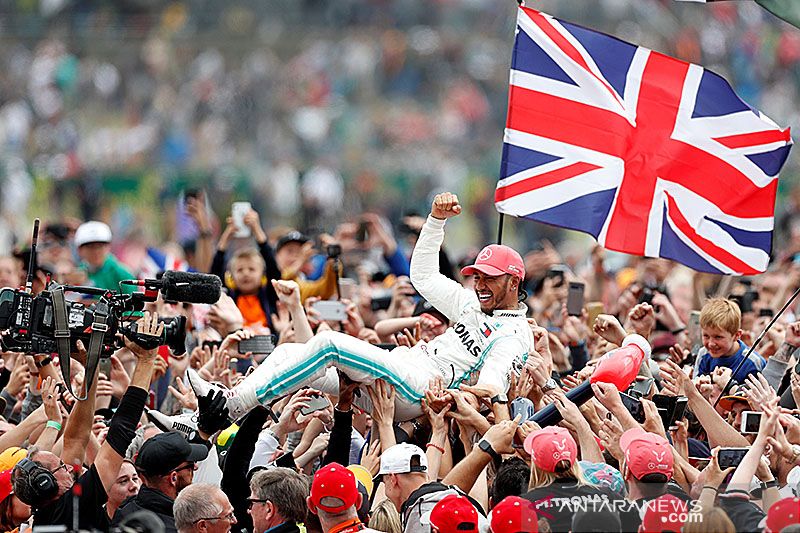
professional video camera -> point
(48, 323)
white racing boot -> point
(186, 423)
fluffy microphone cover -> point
(191, 287)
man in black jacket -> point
(166, 464)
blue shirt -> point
(754, 364)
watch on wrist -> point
(485, 446)
(549, 385)
(500, 398)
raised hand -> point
(148, 337)
(382, 395)
(608, 327)
(288, 291)
(184, 395)
(445, 205)
(643, 319)
(212, 414)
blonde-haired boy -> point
(720, 323)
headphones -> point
(232, 284)
(42, 482)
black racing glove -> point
(212, 415)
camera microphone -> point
(191, 287)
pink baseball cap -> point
(495, 260)
(646, 453)
(549, 446)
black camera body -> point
(29, 322)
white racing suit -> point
(491, 345)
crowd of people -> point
(341, 384)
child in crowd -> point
(248, 273)
(720, 323)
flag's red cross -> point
(647, 149)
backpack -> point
(416, 511)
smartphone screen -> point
(751, 420)
(238, 211)
(634, 407)
(331, 310)
(727, 457)
(258, 344)
(315, 403)
(575, 298)
(642, 387)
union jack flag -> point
(650, 155)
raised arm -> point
(445, 294)
(79, 423)
(123, 425)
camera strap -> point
(99, 328)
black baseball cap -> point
(165, 452)
(292, 236)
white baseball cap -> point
(399, 459)
(92, 231)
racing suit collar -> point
(519, 312)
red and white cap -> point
(550, 446)
(334, 488)
(781, 514)
(495, 260)
(646, 453)
(453, 514)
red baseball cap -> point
(646, 453)
(5, 484)
(514, 515)
(454, 514)
(783, 513)
(334, 489)
(665, 513)
(495, 260)
(549, 446)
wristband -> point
(44, 362)
(715, 489)
(773, 483)
(53, 424)
(678, 331)
(434, 446)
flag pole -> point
(500, 229)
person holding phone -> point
(244, 277)
(490, 336)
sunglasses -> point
(187, 466)
(252, 501)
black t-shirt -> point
(744, 514)
(631, 518)
(559, 502)
(92, 515)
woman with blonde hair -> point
(384, 517)
(556, 477)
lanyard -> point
(348, 527)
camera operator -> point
(44, 480)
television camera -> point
(48, 323)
